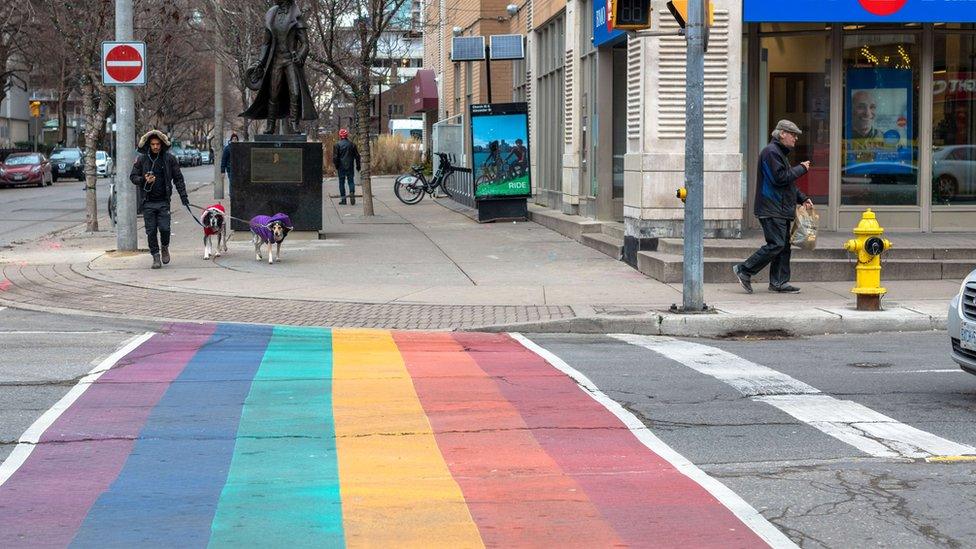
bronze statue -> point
(279, 76)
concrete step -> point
(669, 268)
(741, 249)
(604, 243)
(570, 226)
(613, 230)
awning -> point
(424, 92)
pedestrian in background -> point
(157, 171)
(225, 158)
(777, 197)
(345, 156)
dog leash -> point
(228, 216)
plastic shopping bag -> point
(805, 228)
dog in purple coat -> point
(270, 231)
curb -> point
(724, 324)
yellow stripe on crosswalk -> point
(396, 489)
(951, 459)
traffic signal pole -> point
(693, 290)
(127, 239)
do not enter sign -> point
(124, 63)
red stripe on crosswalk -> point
(515, 491)
(643, 497)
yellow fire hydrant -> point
(868, 246)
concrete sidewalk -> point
(432, 258)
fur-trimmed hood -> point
(144, 141)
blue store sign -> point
(860, 11)
(603, 36)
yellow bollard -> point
(868, 246)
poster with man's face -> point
(878, 128)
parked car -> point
(181, 156)
(205, 157)
(104, 165)
(954, 171)
(26, 169)
(68, 162)
(196, 158)
(962, 325)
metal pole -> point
(693, 290)
(218, 134)
(125, 231)
(487, 69)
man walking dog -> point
(345, 155)
(157, 172)
(777, 197)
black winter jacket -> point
(171, 168)
(345, 154)
(776, 192)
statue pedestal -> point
(277, 173)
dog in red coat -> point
(212, 220)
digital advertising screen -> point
(500, 150)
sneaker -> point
(352, 200)
(157, 264)
(744, 279)
(784, 289)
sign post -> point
(124, 66)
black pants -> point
(776, 253)
(346, 177)
(156, 216)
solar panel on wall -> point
(468, 48)
(507, 46)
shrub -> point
(393, 154)
(390, 155)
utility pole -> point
(218, 133)
(127, 239)
(694, 266)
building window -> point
(881, 112)
(954, 119)
(797, 72)
(549, 92)
(520, 82)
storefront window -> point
(880, 137)
(798, 90)
(954, 120)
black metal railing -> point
(461, 185)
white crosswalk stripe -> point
(852, 423)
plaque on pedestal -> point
(272, 176)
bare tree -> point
(81, 27)
(236, 37)
(177, 96)
(15, 20)
(348, 35)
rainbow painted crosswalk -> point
(232, 436)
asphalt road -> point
(820, 485)
(27, 213)
(820, 491)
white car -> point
(962, 325)
(104, 165)
(954, 171)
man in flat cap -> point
(777, 197)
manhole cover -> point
(870, 364)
